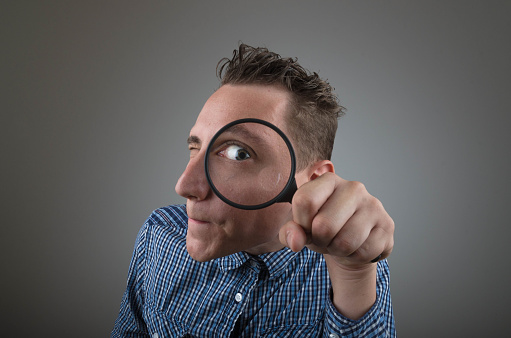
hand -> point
(339, 218)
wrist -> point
(353, 287)
(341, 270)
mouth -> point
(195, 217)
(197, 221)
(201, 215)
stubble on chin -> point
(195, 251)
(204, 249)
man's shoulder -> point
(169, 219)
(174, 215)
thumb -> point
(293, 236)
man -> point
(311, 268)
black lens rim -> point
(283, 196)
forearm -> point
(354, 290)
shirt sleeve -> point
(130, 322)
(377, 322)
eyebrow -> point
(237, 130)
(244, 132)
(192, 139)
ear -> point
(319, 168)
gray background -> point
(97, 99)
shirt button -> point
(156, 335)
(238, 297)
(333, 335)
(254, 264)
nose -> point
(193, 184)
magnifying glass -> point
(250, 164)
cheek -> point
(271, 219)
(243, 228)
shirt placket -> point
(240, 291)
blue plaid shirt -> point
(277, 294)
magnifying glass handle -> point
(289, 193)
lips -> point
(195, 216)
(197, 221)
(204, 212)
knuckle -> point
(303, 202)
(391, 241)
(388, 225)
(391, 225)
(323, 227)
(376, 203)
(376, 206)
(390, 246)
(357, 186)
(343, 246)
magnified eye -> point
(234, 152)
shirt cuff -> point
(372, 324)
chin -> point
(199, 258)
(200, 251)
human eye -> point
(235, 152)
(194, 144)
(193, 150)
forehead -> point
(230, 103)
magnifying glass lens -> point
(249, 164)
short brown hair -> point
(314, 107)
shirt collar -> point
(233, 261)
(275, 262)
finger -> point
(352, 235)
(293, 236)
(309, 198)
(378, 243)
(335, 213)
(380, 239)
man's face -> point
(216, 229)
